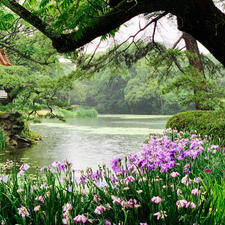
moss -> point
(27, 133)
(211, 123)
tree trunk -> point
(195, 61)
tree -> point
(195, 61)
(201, 87)
(136, 92)
(36, 49)
(144, 96)
(28, 92)
(35, 80)
(71, 24)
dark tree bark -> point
(196, 62)
(200, 18)
(114, 3)
(192, 46)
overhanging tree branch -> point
(200, 18)
(115, 52)
(31, 18)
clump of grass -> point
(66, 113)
(86, 113)
(172, 180)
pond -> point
(87, 142)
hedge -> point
(211, 123)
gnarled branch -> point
(200, 18)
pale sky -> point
(166, 33)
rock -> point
(4, 115)
(22, 141)
(13, 142)
(12, 127)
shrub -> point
(86, 113)
(78, 113)
(210, 123)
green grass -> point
(79, 113)
(66, 113)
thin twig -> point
(87, 66)
(177, 42)
(153, 33)
(94, 52)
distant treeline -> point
(125, 91)
(155, 84)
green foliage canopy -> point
(72, 24)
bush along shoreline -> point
(210, 123)
(177, 178)
(86, 113)
(79, 113)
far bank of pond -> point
(88, 142)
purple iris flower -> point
(61, 167)
(116, 164)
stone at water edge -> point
(12, 127)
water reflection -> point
(86, 143)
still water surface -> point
(87, 142)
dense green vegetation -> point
(30, 91)
(135, 89)
(148, 85)
(177, 178)
(136, 92)
(206, 123)
(36, 79)
(140, 78)
(48, 84)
